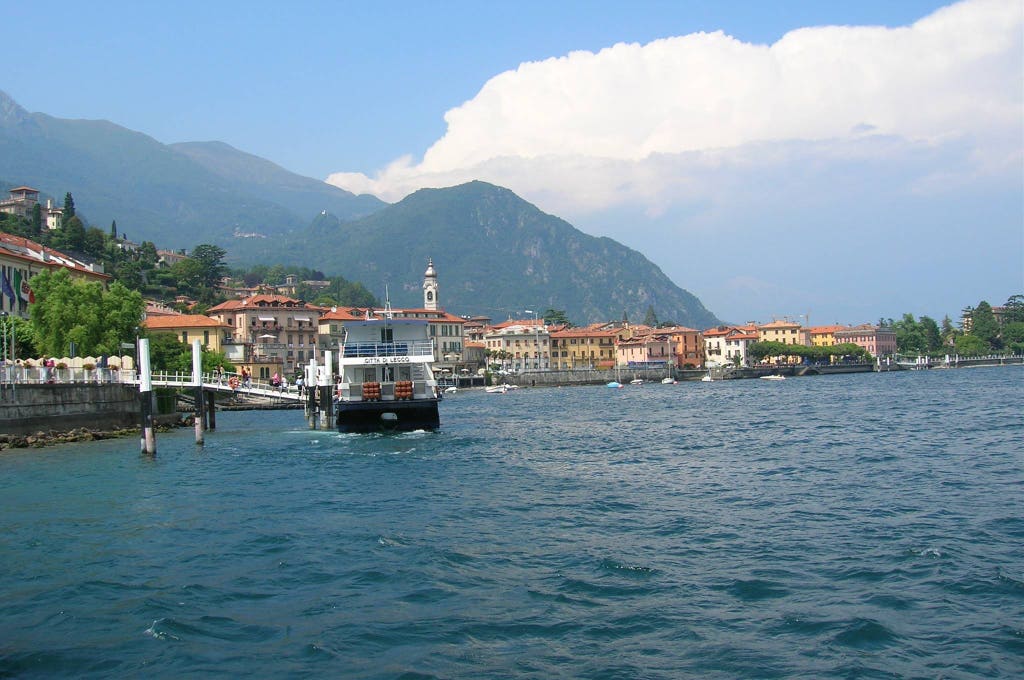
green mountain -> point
(175, 195)
(495, 254)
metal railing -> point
(414, 348)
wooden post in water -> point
(312, 387)
(326, 396)
(211, 410)
(148, 441)
(197, 380)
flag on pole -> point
(8, 291)
(26, 292)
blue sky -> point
(749, 186)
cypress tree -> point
(69, 207)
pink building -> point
(878, 340)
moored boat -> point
(386, 379)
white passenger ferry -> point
(386, 377)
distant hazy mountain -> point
(495, 254)
(175, 195)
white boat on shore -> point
(773, 377)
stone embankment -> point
(82, 434)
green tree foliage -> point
(984, 325)
(1014, 309)
(971, 345)
(930, 332)
(1013, 336)
(37, 221)
(24, 339)
(95, 242)
(69, 208)
(650, 318)
(113, 229)
(847, 351)
(556, 317)
(67, 310)
(71, 235)
(211, 261)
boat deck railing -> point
(411, 348)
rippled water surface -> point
(842, 526)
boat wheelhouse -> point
(386, 380)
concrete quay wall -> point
(27, 409)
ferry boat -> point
(387, 383)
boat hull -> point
(387, 416)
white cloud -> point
(640, 123)
(869, 151)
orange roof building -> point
(188, 327)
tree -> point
(931, 334)
(1014, 309)
(556, 317)
(1013, 336)
(970, 345)
(69, 208)
(211, 261)
(949, 331)
(984, 325)
(113, 229)
(72, 234)
(95, 242)
(651, 319)
(24, 338)
(910, 337)
(69, 311)
(37, 220)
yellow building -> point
(189, 327)
(823, 336)
(785, 332)
(588, 347)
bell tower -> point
(430, 287)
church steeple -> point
(430, 286)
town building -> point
(22, 258)
(785, 332)
(591, 347)
(687, 346)
(22, 201)
(269, 333)
(729, 345)
(823, 336)
(519, 345)
(188, 327)
(880, 341)
(645, 349)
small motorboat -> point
(773, 377)
(668, 381)
(614, 384)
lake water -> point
(859, 526)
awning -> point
(266, 318)
(302, 318)
(268, 336)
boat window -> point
(405, 372)
(369, 374)
(387, 335)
